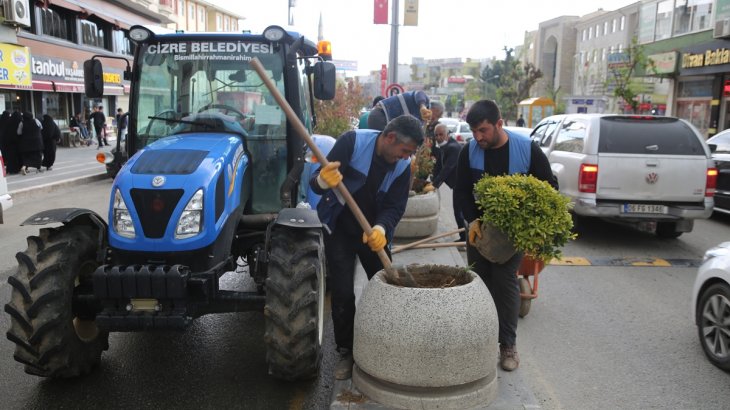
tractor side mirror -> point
(324, 80)
(93, 78)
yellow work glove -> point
(330, 175)
(425, 114)
(376, 240)
(475, 230)
(429, 188)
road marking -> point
(41, 176)
(628, 262)
(571, 261)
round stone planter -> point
(420, 218)
(427, 347)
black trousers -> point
(503, 284)
(341, 249)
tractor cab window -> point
(210, 87)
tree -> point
(622, 69)
(336, 116)
(510, 81)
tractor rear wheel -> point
(53, 339)
(295, 303)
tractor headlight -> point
(121, 218)
(191, 220)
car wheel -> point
(713, 324)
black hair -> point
(377, 100)
(483, 110)
(407, 128)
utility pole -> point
(393, 61)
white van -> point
(5, 200)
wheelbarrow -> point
(528, 268)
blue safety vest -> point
(355, 176)
(520, 151)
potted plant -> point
(422, 210)
(521, 213)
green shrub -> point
(530, 212)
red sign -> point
(393, 89)
(383, 78)
(380, 15)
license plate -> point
(643, 209)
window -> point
(613, 30)
(226, 24)
(590, 33)
(603, 56)
(598, 30)
(54, 24)
(623, 19)
(181, 7)
(571, 136)
(122, 45)
(544, 131)
(218, 22)
(605, 28)
(585, 34)
(659, 136)
(91, 34)
(691, 15)
(201, 15)
(664, 19)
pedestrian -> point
(415, 103)
(520, 121)
(51, 136)
(437, 110)
(14, 162)
(363, 123)
(98, 119)
(8, 145)
(496, 151)
(444, 170)
(376, 170)
(121, 118)
(30, 142)
(76, 124)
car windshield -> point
(183, 85)
(722, 140)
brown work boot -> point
(508, 358)
(343, 368)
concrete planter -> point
(421, 217)
(426, 347)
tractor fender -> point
(298, 218)
(74, 216)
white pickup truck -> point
(652, 171)
(5, 200)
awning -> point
(55, 86)
(66, 5)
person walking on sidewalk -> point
(444, 171)
(121, 118)
(98, 119)
(496, 151)
(375, 168)
(30, 142)
(51, 136)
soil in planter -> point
(429, 276)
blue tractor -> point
(211, 186)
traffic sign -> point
(394, 89)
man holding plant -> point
(495, 151)
(375, 168)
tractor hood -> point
(159, 182)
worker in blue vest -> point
(496, 151)
(415, 103)
(375, 168)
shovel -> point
(391, 274)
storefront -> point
(15, 78)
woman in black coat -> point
(51, 136)
(9, 143)
(30, 142)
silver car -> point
(5, 200)
(711, 305)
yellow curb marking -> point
(571, 261)
(655, 262)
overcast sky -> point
(446, 28)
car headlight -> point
(722, 249)
(191, 219)
(121, 218)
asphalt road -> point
(218, 362)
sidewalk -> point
(513, 392)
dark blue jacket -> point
(406, 103)
(379, 189)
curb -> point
(34, 191)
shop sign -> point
(112, 78)
(14, 65)
(708, 58)
(54, 69)
(664, 63)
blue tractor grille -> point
(154, 207)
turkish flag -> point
(380, 15)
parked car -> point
(711, 305)
(720, 147)
(5, 200)
(525, 132)
(649, 171)
(451, 123)
(462, 134)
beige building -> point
(198, 15)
